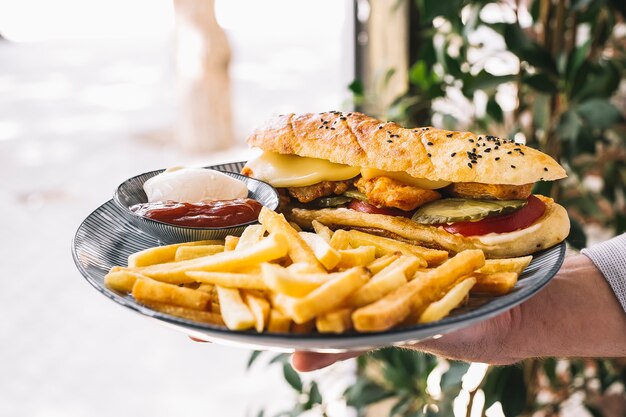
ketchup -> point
(218, 213)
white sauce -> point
(192, 185)
(497, 238)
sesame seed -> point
(545, 169)
(469, 164)
(429, 143)
(488, 150)
(389, 141)
(512, 166)
(449, 135)
(471, 140)
(497, 158)
(428, 155)
(332, 128)
(452, 154)
(425, 128)
(509, 153)
(380, 127)
(474, 161)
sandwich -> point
(437, 188)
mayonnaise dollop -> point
(193, 185)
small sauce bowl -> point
(131, 192)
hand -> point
(577, 314)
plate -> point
(106, 238)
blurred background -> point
(92, 93)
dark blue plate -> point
(106, 238)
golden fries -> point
(498, 283)
(452, 299)
(416, 294)
(235, 312)
(162, 254)
(148, 290)
(297, 249)
(276, 278)
(191, 252)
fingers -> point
(199, 340)
(310, 361)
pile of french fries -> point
(277, 278)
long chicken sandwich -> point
(437, 188)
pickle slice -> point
(356, 194)
(452, 210)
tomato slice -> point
(365, 207)
(505, 223)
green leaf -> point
(401, 406)
(356, 87)
(253, 357)
(577, 237)
(494, 110)
(506, 384)
(483, 81)
(527, 50)
(365, 392)
(292, 377)
(569, 125)
(599, 113)
(315, 397)
(453, 376)
(541, 82)
(281, 357)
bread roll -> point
(359, 140)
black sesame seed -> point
(469, 164)
(545, 169)
(488, 150)
(496, 148)
(380, 127)
(498, 158)
(471, 140)
(428, 155)
(389, 141)
(449, 135)
(480, 156)
(332, 128)
(474, 161)
(452, 154)
(343, 118)
(429, 143)
(522, 153)
(509, 153)
(425, 128)
(512, 166)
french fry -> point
(361, 256)
(295, 226)
(251, 235)
(229, 279)
(516, 265)
(282, 303)
(498, 283)
(324, 232)
(327, 255)
(385, 245)
(278, 322)
(230, 243)
(338, 321)
(260, 309)
(162, 254)
(121, 280)
(379, 263)
(453, 298)
(387, 280)
(340, 240)
(284, 281)
(235, 312)
(209, 317)
(298, 250)
(302, 268)
(329, 296)
(416, 294)
(191, 252)
(273, 247)
(148, 290)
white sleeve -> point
(610, 258)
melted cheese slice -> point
(404, 178)
(282, 170)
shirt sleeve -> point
(610, 258)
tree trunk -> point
(203, 86)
